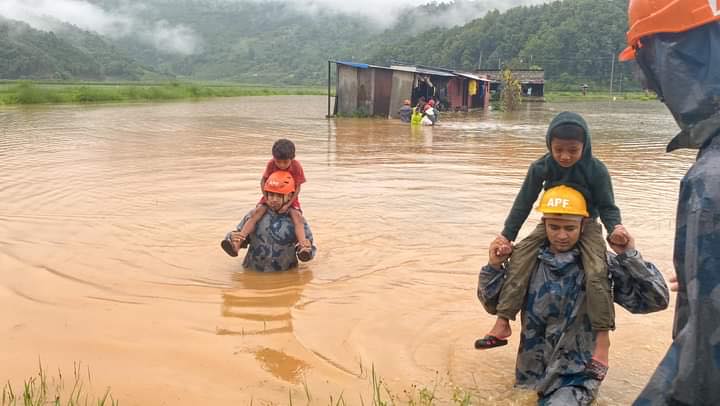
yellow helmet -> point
(563, 200)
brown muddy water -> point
(111, 218)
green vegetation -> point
(41, 390)
(511, 95)
(278, 42)
(41, 93)
(62, 54)
(441, 392)
(575, 41)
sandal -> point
(596, 369)
(304, 251)
(489, 342)
(229, 246)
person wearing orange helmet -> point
(272, 244)
(557, 340)
(676, 43)
(283, 159)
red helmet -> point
(647, 17)
(280, 182)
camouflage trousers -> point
(524, 260)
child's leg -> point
(597, 287)
(522, 262)
(235, 240)
(299, 222)
(304, 247)
(249, 226)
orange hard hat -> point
(647, 17)
(280, 182)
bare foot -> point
(501, 329)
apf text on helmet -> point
(558, 202)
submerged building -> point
(372, 90)
(532, 81)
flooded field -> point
(112, 215)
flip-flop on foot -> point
(304, 251)
(489, 342)
(227, 246)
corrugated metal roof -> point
(422, 71)
(471, 76)
(359, 65)
(353, 64)
(403, 68)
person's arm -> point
(524, 200)
(491, 279)
(262, 186)
(638, 286)
(604, 198)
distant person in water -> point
(429, 113)
(405, 112)
(283, 152)
(272, 245)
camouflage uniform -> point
(557, 338)
(272, 245)
(681, 379)
(683, 69)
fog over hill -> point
(290, 41)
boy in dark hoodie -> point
(570, 162)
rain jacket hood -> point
(682, 68)
(589, 176)
(568, 117)
(556, 173)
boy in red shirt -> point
(283, 159)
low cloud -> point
(123, 22)
(386, 12)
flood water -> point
(111, 218)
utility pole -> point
(480, 60)
(612, 73)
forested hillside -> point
(276, 42)
(575, 41)
(65, 53)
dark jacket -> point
(685, 66)
(588, 175)
(690, 372)
(557, 339)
